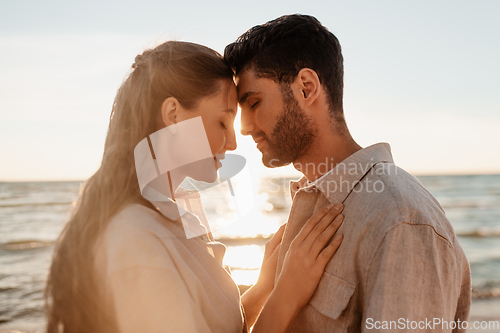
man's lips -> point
(259, 139)
(260, 143)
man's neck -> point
(325, 155)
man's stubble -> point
(292, 136)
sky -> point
(421, 75)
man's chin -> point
(273, 162)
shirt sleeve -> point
(148, 292)
(412, 283)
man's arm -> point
(413, 277)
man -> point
(400, 265)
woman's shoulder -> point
(138, 236)
(136, 218)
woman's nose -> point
(231, 140)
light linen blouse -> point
(154, 279)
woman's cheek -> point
(221, 141)
(216, 142)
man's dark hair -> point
(280, 48)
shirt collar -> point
(195, 224)
(338, 183)
(308, 183)
(188, 207)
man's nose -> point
(247, 124)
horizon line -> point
(424, 174)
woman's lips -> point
(217, 159)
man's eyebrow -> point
(244, 97)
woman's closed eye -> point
(223, 125)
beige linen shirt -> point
(156, 280)
(399, 261)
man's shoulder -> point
(404, 199)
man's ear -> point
(307, 81)
(170, 111)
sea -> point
(32, 214)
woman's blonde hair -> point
(186, 71)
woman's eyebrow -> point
(232, 111)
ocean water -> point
(32, 215)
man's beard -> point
(292, 135)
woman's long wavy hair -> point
(182, 70)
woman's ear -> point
(170, 111)
(307, 81)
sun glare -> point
(244, 262)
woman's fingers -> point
(273, 243)
(273, 258)
(323, 224)
(309, 254)
(328, 252)
(327, 212)
(326, 235)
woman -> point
(121, 265)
